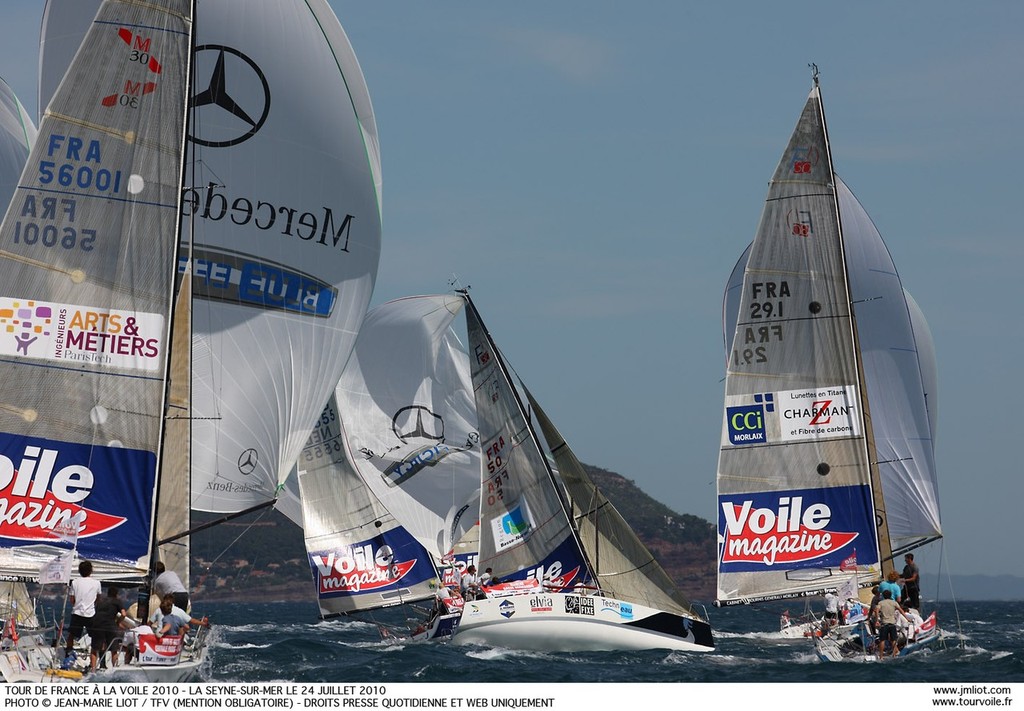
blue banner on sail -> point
(46, 485)
(386, 563)
(246, 280)
(791, 530)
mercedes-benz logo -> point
(247, 461)
(235, 102)
(417, 422)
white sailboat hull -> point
(561, 622)
(850, 646)
(30, 661)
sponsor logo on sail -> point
(69, 332)
(416, 424)
(746, 423)
(512, 526)
(247, 280)
(234, 86)
(361, 568)
(44, 488)
(784, 531)
(819, 413)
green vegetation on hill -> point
(264, 553)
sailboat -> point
(362, 559)
(826, 470)
(282, 232)
(573, 576)
(390, 477)
(256, 270)
(88, 253)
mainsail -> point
(525, 527)
(794, 474)
(88, 253)
(789, 332)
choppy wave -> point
(293, 645)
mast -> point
(177, 332)
(884, 546)
(533, 434)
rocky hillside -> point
(264, 555)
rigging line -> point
(236, 540)
(943, 560)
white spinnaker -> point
(406, 401)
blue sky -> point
(594, 169)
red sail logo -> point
(40, 501)
(789, 534)
(361, 581)
(34, 519)
(138, 54)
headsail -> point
(622, 566)
(795, 475)
(88, 257)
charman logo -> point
(820, 413)
(791, 532)
(746, 424)
(361, 568)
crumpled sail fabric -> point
(409, 417)
(88, 264)
(281, 232)
(794, 476)
(360, 556)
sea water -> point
(262, 641)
